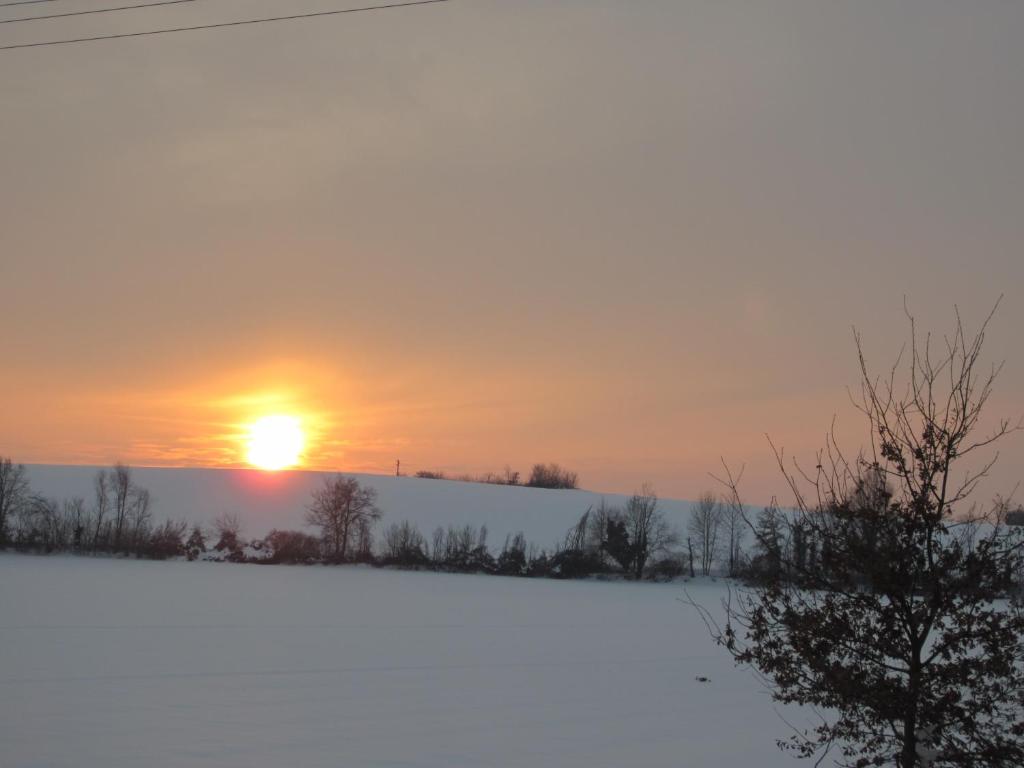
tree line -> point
(550, 476)
(634, 540)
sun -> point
(275, 442)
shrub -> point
(165, 542)
(552, 476)
(404, 546)
(293, 547)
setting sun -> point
(275, 442)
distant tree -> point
(512, 561)
(139, 517)
(552, 476)
(597, 531)
(14, 494)
(734, 525)
(78, 518)
(101, 490)
(123, 488)
(648, 530)
(769, 541)
(195, 546)
(404, 545)
(291, 547)
(427, 474)
(576, 558)
(704, 525)
(343, 510)
(437, 547)
(163, 542)
(229, 536)
(464, 549)
(907, 636)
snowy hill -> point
(265, 500)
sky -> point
(628, 236)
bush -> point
(507, 477)
(575, 564)
(404, 546)
(430, 475)
(165, 542)
(552, 476)
(196, 544)
(291, 547)
(667, 568)
(512, 561)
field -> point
(118, 664)
(265, 500)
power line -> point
(94, 10)
(24, 2)
(239, 23)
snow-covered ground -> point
(122, 664)
(265, 500)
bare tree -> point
(121, 483)
(101, 492)
(77, 516)
(14, 493)
(437, 547)
(903, 636)
(648, 530)
(343, 511)
(405, 545)
(228, 529)
(705, 521)
(734, 523)
(139, 518)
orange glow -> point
(275, 442)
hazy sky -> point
(626, 235)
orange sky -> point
(630, 238)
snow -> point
(118, 664)
(266, 500)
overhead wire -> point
(219, 25)
(95, 10)
(24, 2)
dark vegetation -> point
(550, 476)
(634, 541)
(885, 600)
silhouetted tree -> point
(122, 487)
(291, 547)
(164, 541)
(101, 491)
(512, 560)
(404, 545)
(906, 641)
(343, 510)
(618, 545)
(229, 537)
(705, 521)
(648, 531)
(734, 525)
(14, 493)
(195, 547)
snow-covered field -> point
(265, 500)
(122, 664)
